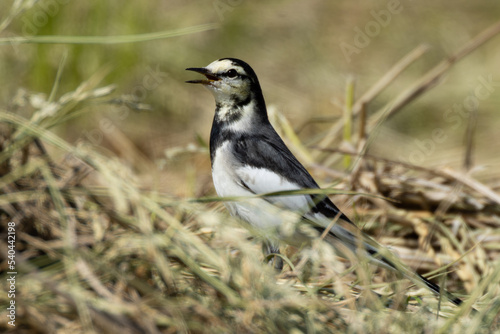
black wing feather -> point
(265, 149)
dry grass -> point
(100, 249)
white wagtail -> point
(249, 158)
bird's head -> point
(232, 81)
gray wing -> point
(269, 166)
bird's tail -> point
(351, 242)
(437, 290)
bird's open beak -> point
(210, 76)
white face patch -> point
(227, 88)
(224, 65)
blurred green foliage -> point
(295, 48)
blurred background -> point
(303, 52)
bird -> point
(249, 159)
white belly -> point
(256, 211)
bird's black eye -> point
(232, 73)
